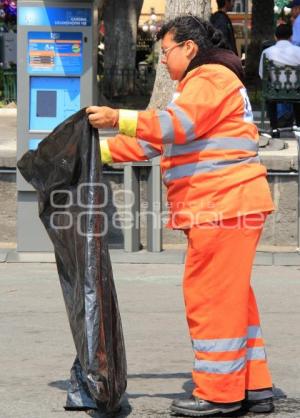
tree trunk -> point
(120, 22)
(101, 4)
(262, 30)
(164, 86)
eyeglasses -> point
(164, 52)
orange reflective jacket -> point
(208, 144)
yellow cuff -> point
(106, 157)
(128, 122)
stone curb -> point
(7, 162)
(263, 258)
(8, 112)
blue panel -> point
(57, 53)
(33, 144)
(54, 16)
(52, 100)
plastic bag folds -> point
(66, 172)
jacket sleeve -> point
(199, 107)
(122, 148)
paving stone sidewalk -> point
(37, 350)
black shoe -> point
(259, 406)
(196, 407)
(275, 133)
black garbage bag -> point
(66, 172)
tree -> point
(280, 12)
(8, 15)
(101, 4)
(120, 22)
(163, 86)
(262, 30)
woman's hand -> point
(103, 116)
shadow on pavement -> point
(60, 384)
(160, 376)
(284, 407)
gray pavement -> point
(37, 350)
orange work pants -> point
(221, 309)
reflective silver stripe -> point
(254, 332)
(256, 353)
(239, 144)
(188, 170)
(219, 345)
(220, 367)
(186, 122)
(256, 395)
(166, 126)
(149, 151)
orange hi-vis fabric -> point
(208, 146)
(221, 310)
(217, 193)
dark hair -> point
(192, 27)
(221, 4)
(212, 46)
(283, 31)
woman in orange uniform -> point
(218, 195)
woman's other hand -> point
(103, 116)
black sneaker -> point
(275, 133)
(261, 406)
(196, 407)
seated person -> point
(282, 53)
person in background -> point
(221, 21)
(219, 197)
(295, 6)
(282, 53)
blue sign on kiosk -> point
(57, 65)
(60, 53)
(54, 99)
(54, 16)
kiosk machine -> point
(57, 65)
